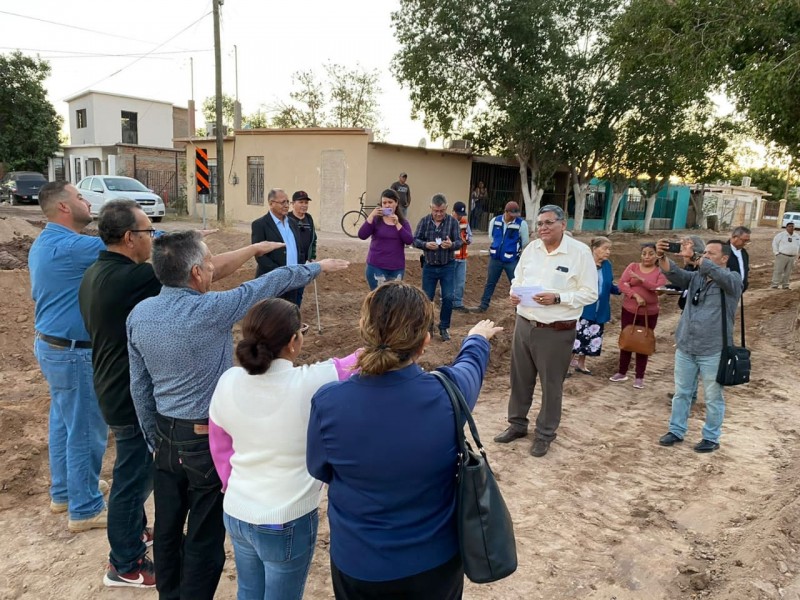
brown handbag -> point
(638, 338)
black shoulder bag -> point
(485, 530)
(734, 362)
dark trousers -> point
(133, 482)
(445, 276)
(186, 484)
(496, 269)
(625, 356)
(545, 352)
(445, 582)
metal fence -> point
(163, 183)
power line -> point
(106, 33)
(77, 54)
(130, 64)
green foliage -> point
(344, 98)
(209, 110)
(29, 125)
(769, 179)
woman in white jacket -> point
(258, 421)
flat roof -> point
(88, 92)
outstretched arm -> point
(228, 262)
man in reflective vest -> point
(510, 235)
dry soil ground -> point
(608, 513)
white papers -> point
(526, 293)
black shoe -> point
(509, 435)
(481, 309)
(706, 446)
(461, 309)
(540, 447)
(445, 335)
(670, 439)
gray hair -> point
(556, 210)
(698, 245)
(438, 200)
(115, 218)
(50, 193)
(740, 231)
(273, 193)
(174, 256)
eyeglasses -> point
(152, 232)
(283, 203)
(547, 223)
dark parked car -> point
(21, 186)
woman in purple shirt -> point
(390, 233)
(385, 443)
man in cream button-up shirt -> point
(786, 247)
(555, 278)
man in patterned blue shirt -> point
(180, 342)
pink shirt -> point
(646, 288)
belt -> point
(557, 325)
(62, 342)
(789, 255)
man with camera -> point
(698, 338)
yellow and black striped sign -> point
(202, 175)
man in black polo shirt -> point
(120, 279)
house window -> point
(80, 118)
(130, 128)
(595, 203)
(78, 175)
(255, 180)
(634, 206)
(214, 181)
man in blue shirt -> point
(509, 233)
(77, 431)
(276, 226)
(180, 343)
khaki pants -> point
(545, 352)
(782, 270)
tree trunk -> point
(532, 195)
(580, 188)
(648, 211)
(616, 199)
(697, 198)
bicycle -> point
(354, 219)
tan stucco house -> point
(334, 166)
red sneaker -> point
(142, 577)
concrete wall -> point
(430, 171)
(103, 113)
(329, 164)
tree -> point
(209, 110)
(29, 125)
(345, 98)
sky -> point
(144, 48)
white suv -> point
(791, 217)
(99, 189)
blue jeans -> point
(460, 281)
(376, 276)
(496, 269)
(273, 561)
(444, 275)
(133, 482)
(78, 433)
(687, 368)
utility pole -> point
(220, 136)
(237, 106)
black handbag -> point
(485, 530)
(734, 361)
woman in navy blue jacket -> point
(589, 340)
(385, 442)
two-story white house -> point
(113, 134)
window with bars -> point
(80, 118)
(595, 203)
(634, 206)
(255, 180)
(212, 168)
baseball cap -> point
(460, 208)
(300, 195)
(403, 174)
(512, 207)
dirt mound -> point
(15, 227)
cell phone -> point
(387, 212)
(674, 247)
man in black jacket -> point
(276, 226)
(739, 260)
(306, 233)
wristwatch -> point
(557, 299)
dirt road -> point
(608, 513)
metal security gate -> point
(163, 183)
